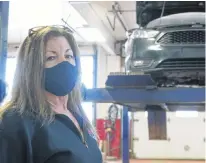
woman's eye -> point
(69, 56)
(51, 58)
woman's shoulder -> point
(10, 118)
(13, 122)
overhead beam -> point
(90, 15)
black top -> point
(24, 140)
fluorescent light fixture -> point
(91, 34)
(72, 16)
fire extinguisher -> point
(110, 126)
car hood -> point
(190, 18)
(147, 11)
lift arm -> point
(146, 96)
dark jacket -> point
(24, 140)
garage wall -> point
(186, 133)
(105, 64)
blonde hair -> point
(28, 95)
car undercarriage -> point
(174, 78)
(176, 72)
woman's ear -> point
(2, 90)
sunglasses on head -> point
(38, 28)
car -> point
(169, 44)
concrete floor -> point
(158, 161)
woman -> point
(44, 121)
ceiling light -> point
(91, 34)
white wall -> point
(105, 65)
(182, 131)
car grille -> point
(183, 63)
(183, 37)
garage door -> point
(186, 133)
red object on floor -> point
(116, 140)
(100, 125)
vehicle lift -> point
(127, 90)
(130, 90)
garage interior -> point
(166, 123)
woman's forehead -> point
(58, 42)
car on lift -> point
(170, 42)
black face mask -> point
(61, 79)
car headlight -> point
(140, 33)
(142, 63)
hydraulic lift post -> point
(4, 15)
(125, 135)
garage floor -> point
(158, 161)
